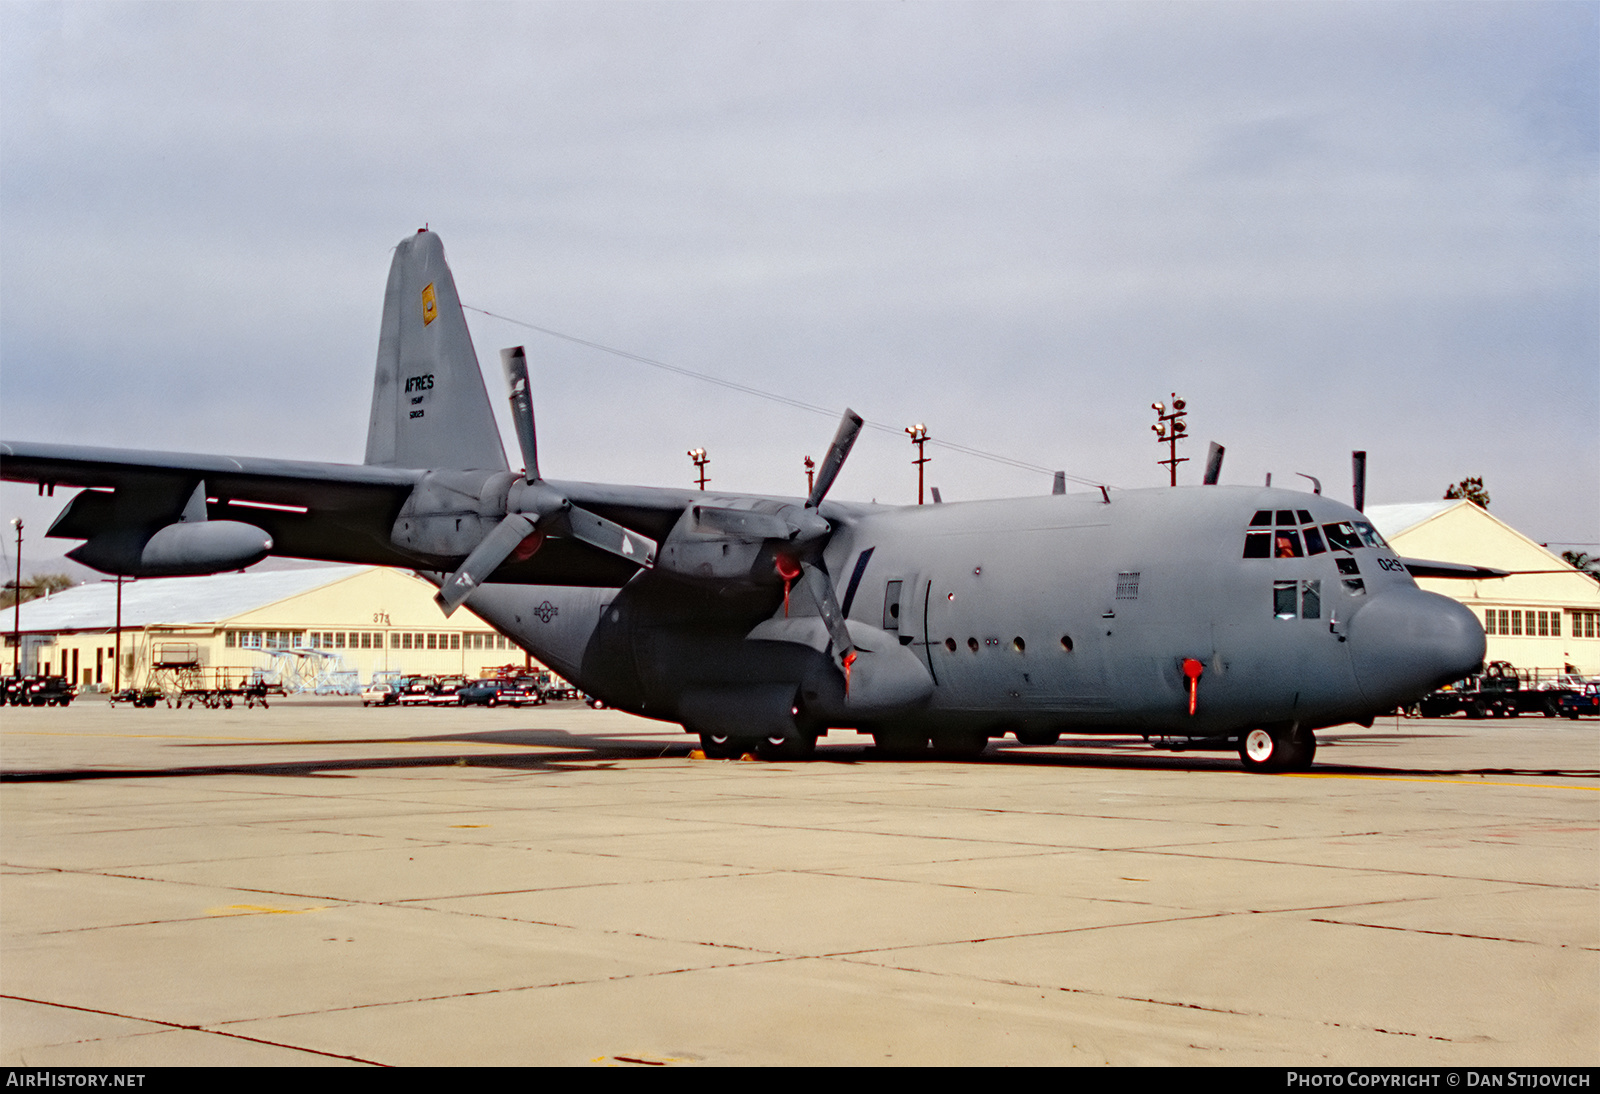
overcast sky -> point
(1327, 226)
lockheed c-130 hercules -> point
(1212, 615)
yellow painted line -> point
(455, 745)
(259, 909)
(1436, 782)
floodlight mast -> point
(698, 455)
(919, 437)
(1170, 428)
(16, 592)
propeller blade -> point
(821, 589)
(1214, 464)
(484, 560)
(843, 441)
(608, 535)
(515, 363)
(1358, 477)
(743, 523)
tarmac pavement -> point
(321, 883)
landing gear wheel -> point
(720, 746)
(901, 746)
(960, 746)
(787, 748)
(1279, 748)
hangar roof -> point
(173, 600)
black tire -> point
(722, 746)
(960, 746)
(1037, 738)
(900, 745)
(1277, 748)
(802, 747)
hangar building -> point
(1544, 619)
(333, 624)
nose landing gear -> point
(1277, 748)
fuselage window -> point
(1283, 593)
(1311, 600)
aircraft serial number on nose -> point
(1391, 564)
(419, 383)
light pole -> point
(1169, 430)
(16, 592)
(919, 437)
(698, 455)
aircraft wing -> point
(1464, 571)
(327, 511)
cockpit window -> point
(1369, 535)
(1314, 541)
(1258, 545)
(1285, 516)
(1286, 543)
(1342, 536)
(1305, 517)
(1263, 518)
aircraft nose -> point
(1405, 642)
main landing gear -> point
(1277, 748)
(722, 746)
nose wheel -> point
(1277, 748)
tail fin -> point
(429, 405)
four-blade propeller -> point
(797, 535)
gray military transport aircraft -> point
(1213, 616)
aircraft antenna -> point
(772, 396)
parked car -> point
(415, 691)
(381, 693)
(39, 691)
(1581, 703)
(519, 691)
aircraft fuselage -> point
(1059, 613)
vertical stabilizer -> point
(429, 405)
